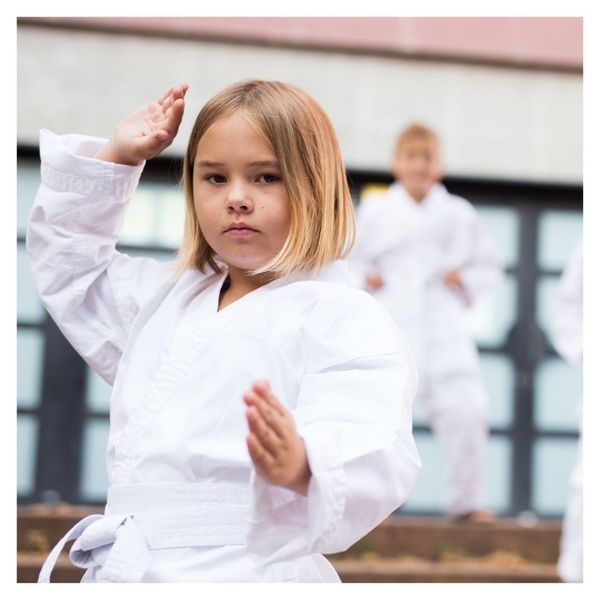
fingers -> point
(267, 418)
(272, 416)
(268, 438)
(173, 94)
(259, 454)
(262, 388)
(178, 91)
(168, 115)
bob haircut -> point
(322, 226)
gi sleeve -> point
(354, 413)
(567, 313)
(481, 269)
(363, 257)
(92, 292)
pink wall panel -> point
(554, 41)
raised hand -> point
(148, 131)
(275, 447)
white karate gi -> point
(567, 336)
(185, 503)
(411, 245)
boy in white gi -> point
(261, 406)
(567, 335)
(424, 254)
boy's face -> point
(417, 165)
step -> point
(402, 548)
(373, 570)
(434, 538)
(41, 526)
(30, 564)
(422, 571)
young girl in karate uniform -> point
(261, 406)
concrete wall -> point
(495, 122)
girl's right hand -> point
(148, 131)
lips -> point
(239, 227)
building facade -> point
(505, 95)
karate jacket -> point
(185, 503)
(411, 245)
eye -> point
(268, 178)
(215, 179)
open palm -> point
(148, 131)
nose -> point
(238, 199)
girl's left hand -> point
(275, 447)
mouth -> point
(240, 230)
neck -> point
(241, 283)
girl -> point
(261, 407)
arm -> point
(353, 415)
(361, 259)
(91, 291)
(477, 267)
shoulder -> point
(458, 207)
(336, 322)
(458, 203)
(375, 200)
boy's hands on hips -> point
(148, 131)
(453, 279)
(275, 447)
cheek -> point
(285, 221)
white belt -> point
(139, 518)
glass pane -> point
(29, 305)
(559, 231)
(30, 355)
(171, 210)
(499, 377)
(94, 478)
(419, 412)
(490, 319)
(429, 492)
(28, 181)
(141, 218)
(553, 460)
(503, 226)
(27, 431)
(557, 391)
(545, 293)
(97, 392)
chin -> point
(247, 265)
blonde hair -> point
(298, 130)
(417, 132)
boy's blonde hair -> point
(417, 132)
(303, 140)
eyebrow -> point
(256, 163)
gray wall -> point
(495, 122)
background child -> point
(261, 406)
(567, 335)
(424, 254)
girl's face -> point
(241, 201)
